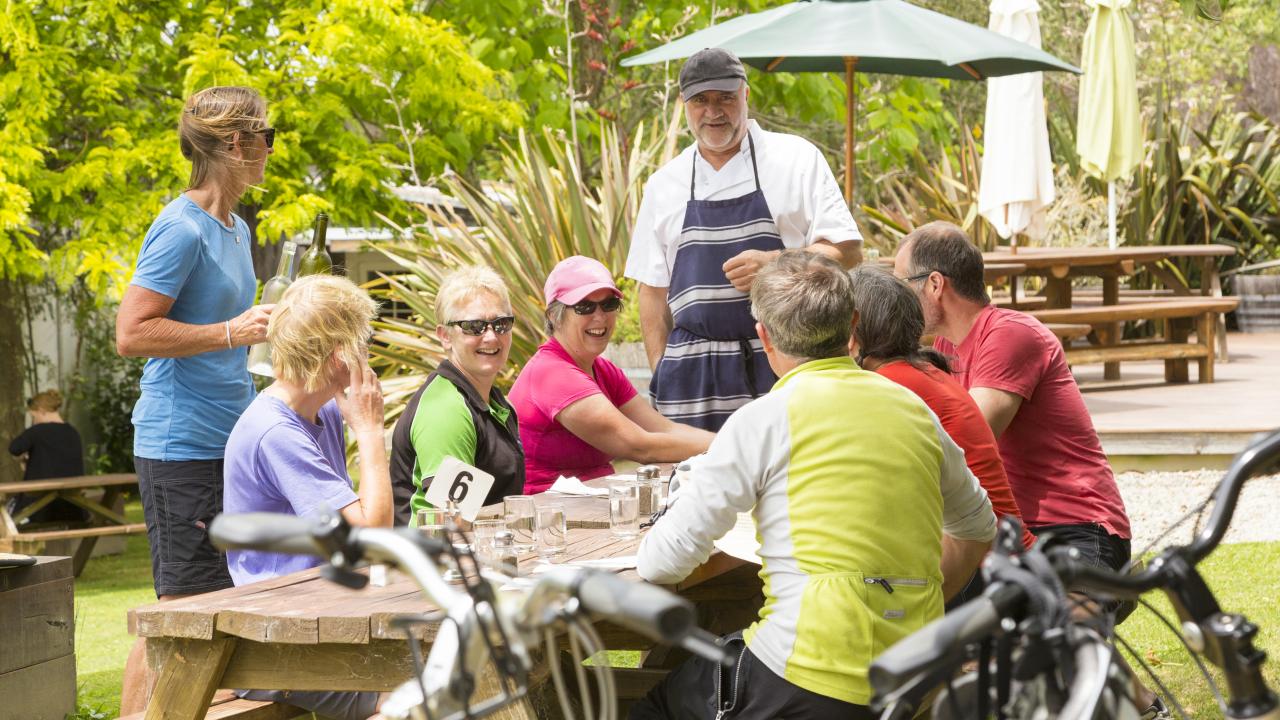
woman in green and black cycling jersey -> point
(458, 412)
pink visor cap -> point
(574, 278)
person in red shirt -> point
(1017, 374)
(886, 340)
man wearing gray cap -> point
(709, 220)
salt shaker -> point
(649, 477)
(504, 553)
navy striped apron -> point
(714, 363)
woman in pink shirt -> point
(577, 410)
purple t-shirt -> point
(279, 462)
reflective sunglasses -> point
(501, 325)
(587, 307)
(268, 134)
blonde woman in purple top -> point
(286, 453)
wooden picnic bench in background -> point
(1175, 347)
(1183, 306)
(105, 519)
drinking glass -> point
(483, 533)
(433, 522)
(550, 530)
(624, 508)
(518, 512)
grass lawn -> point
(1246, 578)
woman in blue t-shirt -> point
(189, 310)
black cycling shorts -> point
(179, 500)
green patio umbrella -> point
(871, 36)
(1108, 127)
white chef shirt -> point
(802, 194)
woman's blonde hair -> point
(459, 285)
(318, 316)
(210, 121)
(46, 401)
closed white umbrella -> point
(1017, 169)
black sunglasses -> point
(268, 134)
(501, 325)
(587, 307)
(923, 275)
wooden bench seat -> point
(1175, 348)
(76, 533)
(1024, 303)
(241, 709)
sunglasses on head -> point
(501, 325)
(587, 307)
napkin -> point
(573, 486)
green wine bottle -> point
(316, 260)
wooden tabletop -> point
(303, 608)
(69, 483)
(1038, 258)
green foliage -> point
(106, 386)
(365, 94)
(925, 191)
(544, 213)
(1218, 185)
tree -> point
(366, 94)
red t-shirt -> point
(963, 421)
(1051, 452)
(549, 383)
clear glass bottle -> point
(260, 354)
(316, 260)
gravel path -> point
(1156, 499)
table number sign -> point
(463, 485)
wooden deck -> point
(1146, 423)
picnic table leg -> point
(1115, 331)
(1057, 290)
(187, 673)
(1177, 330)
(1211, 285)
(1206, 327)
(85, 550)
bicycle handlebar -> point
(268, 532)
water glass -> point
(434, 523)
(518, 513)
(624, 508)
(483, 533)
(550, 529)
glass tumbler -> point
(518, 513)
(550, 530)
(624, 508)
(483, 534)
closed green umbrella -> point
(1109, 127)
(872, 36)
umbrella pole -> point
(1111, 213)
(850, 107)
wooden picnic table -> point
(1059, 265)
(302, 632)
(104, 518)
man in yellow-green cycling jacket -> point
(862, 505)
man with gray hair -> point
(820, 462)
(709, 220)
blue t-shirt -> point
(277, 461)
(189, 404)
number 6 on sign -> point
(461, 484)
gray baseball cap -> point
(711, 69)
